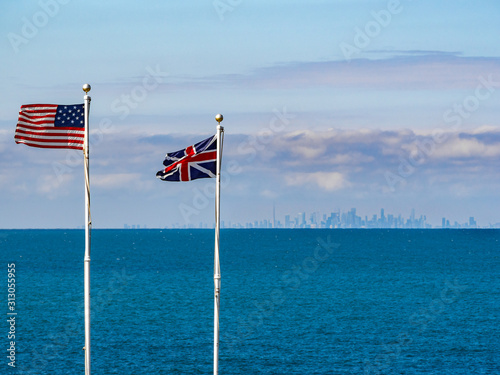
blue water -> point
(292, 301)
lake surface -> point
(292, 301)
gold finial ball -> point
(219, 118)
(86, 88)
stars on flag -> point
(69, 115)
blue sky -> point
(328, 105)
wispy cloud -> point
(413, 71)
(404, 70)
(413, 52)
(408, 70)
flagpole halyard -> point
(217, 276)
(88, 226)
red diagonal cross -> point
(190, 157)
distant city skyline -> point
(336, 220)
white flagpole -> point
(217, 283)
(88, 225)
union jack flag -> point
(191, 163)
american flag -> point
(51, 126)
(191, 163)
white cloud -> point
(309, 152)
(329, 181)
(53, 187)
(4, 180)
(269, 194)
(466, 148)
(115, 180)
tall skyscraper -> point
(472, 222)
(274, 215)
